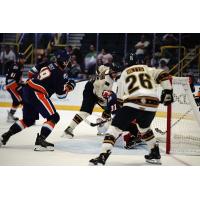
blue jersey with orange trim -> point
(33, 72)
(14, 73)
(49, 79)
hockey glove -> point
(167, 97)
(70, 85)
(106, 94)
(197, 100)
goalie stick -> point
(176, 122)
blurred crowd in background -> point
(86, 57)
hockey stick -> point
(96, 124)
(176, 122)
(79, 81)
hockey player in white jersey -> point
(95, 92)
(137, 90)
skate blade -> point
(1, 143)
(66, 135)
(154, 161)
(40, 148)
(92, 164)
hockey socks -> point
(15, 128)
(12, 111)
(78, 118)
(47, 128)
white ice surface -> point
(73, 152)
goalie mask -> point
(115, 70)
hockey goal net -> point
(178, 126)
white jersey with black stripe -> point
(141, 81)
(105, 82)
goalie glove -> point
(70, 85)
(167, 97)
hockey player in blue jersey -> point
(14, 85)
(48, 78)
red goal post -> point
(177, 127)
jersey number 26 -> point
(142, 80)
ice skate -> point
(101, 159)
(154, 156)
(1, 141)
(68, 133)
(5, 137)
(42, 145)
(11, 118)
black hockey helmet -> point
(115, 67)
(115, 70)
(62, 58)
(20, 55)
(130, 59)
(20, 58)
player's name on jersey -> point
(135, 69)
